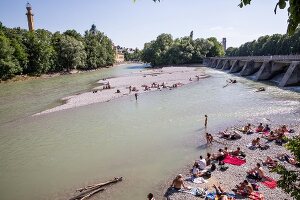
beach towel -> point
(199, 180)
(234, 160)
(212, 196)
(256, 196)
(269, 182)
(199, 192)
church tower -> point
(29, 17)
(224, 43)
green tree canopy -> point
(9, 65)
(72, 54)
(167, 51)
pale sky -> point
(132, 24)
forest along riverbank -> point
(234, 174)
(135, 83)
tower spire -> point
(29, 17)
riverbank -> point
(236, 174)
(166, 78)
(27, 77)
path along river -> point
(146, 142)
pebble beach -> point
(236, 174)
(167, 75)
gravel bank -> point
(168, 75)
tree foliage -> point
(165, 50)
(40, 51)
(293, 12)
(72, 52)
(276, 44)
(290, 179)
(9, 65)
(133, 56)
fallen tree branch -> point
(89, 190)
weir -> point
(264, 67)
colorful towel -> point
(256, 196)
(234, 160)
(212, 196)
(269, 182)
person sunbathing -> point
(220, 193)
(280, 138)
(208, 159)
(270, 162)
(201, 163)
(256, 173)
(237, 152)
(259, 128)
(284, 128)
(271, 136)
(219, 156)
(256, 142)
(196, 172)
(287, 158)
(266, 128)
(225, 134)
(246, 129)
(226, 151)
(245, 188)
(178, 183)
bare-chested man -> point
(178, 183)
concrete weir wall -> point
(264, 67)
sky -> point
(131, 24)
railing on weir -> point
(261, 58)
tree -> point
(9, 66)
(99, 49)
(40, 52)
(290, 179)
(216, 49)
(74, 34)
(72, 54)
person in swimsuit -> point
(178, 183)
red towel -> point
(234, 160)
(270, 183)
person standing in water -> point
(205, 121)
(136, 95)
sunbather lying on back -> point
(220, 193)
(287, 158)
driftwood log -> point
(90, 190)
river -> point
(146, 142)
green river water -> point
(146, 142)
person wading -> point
(205, 121)
(136, 95)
